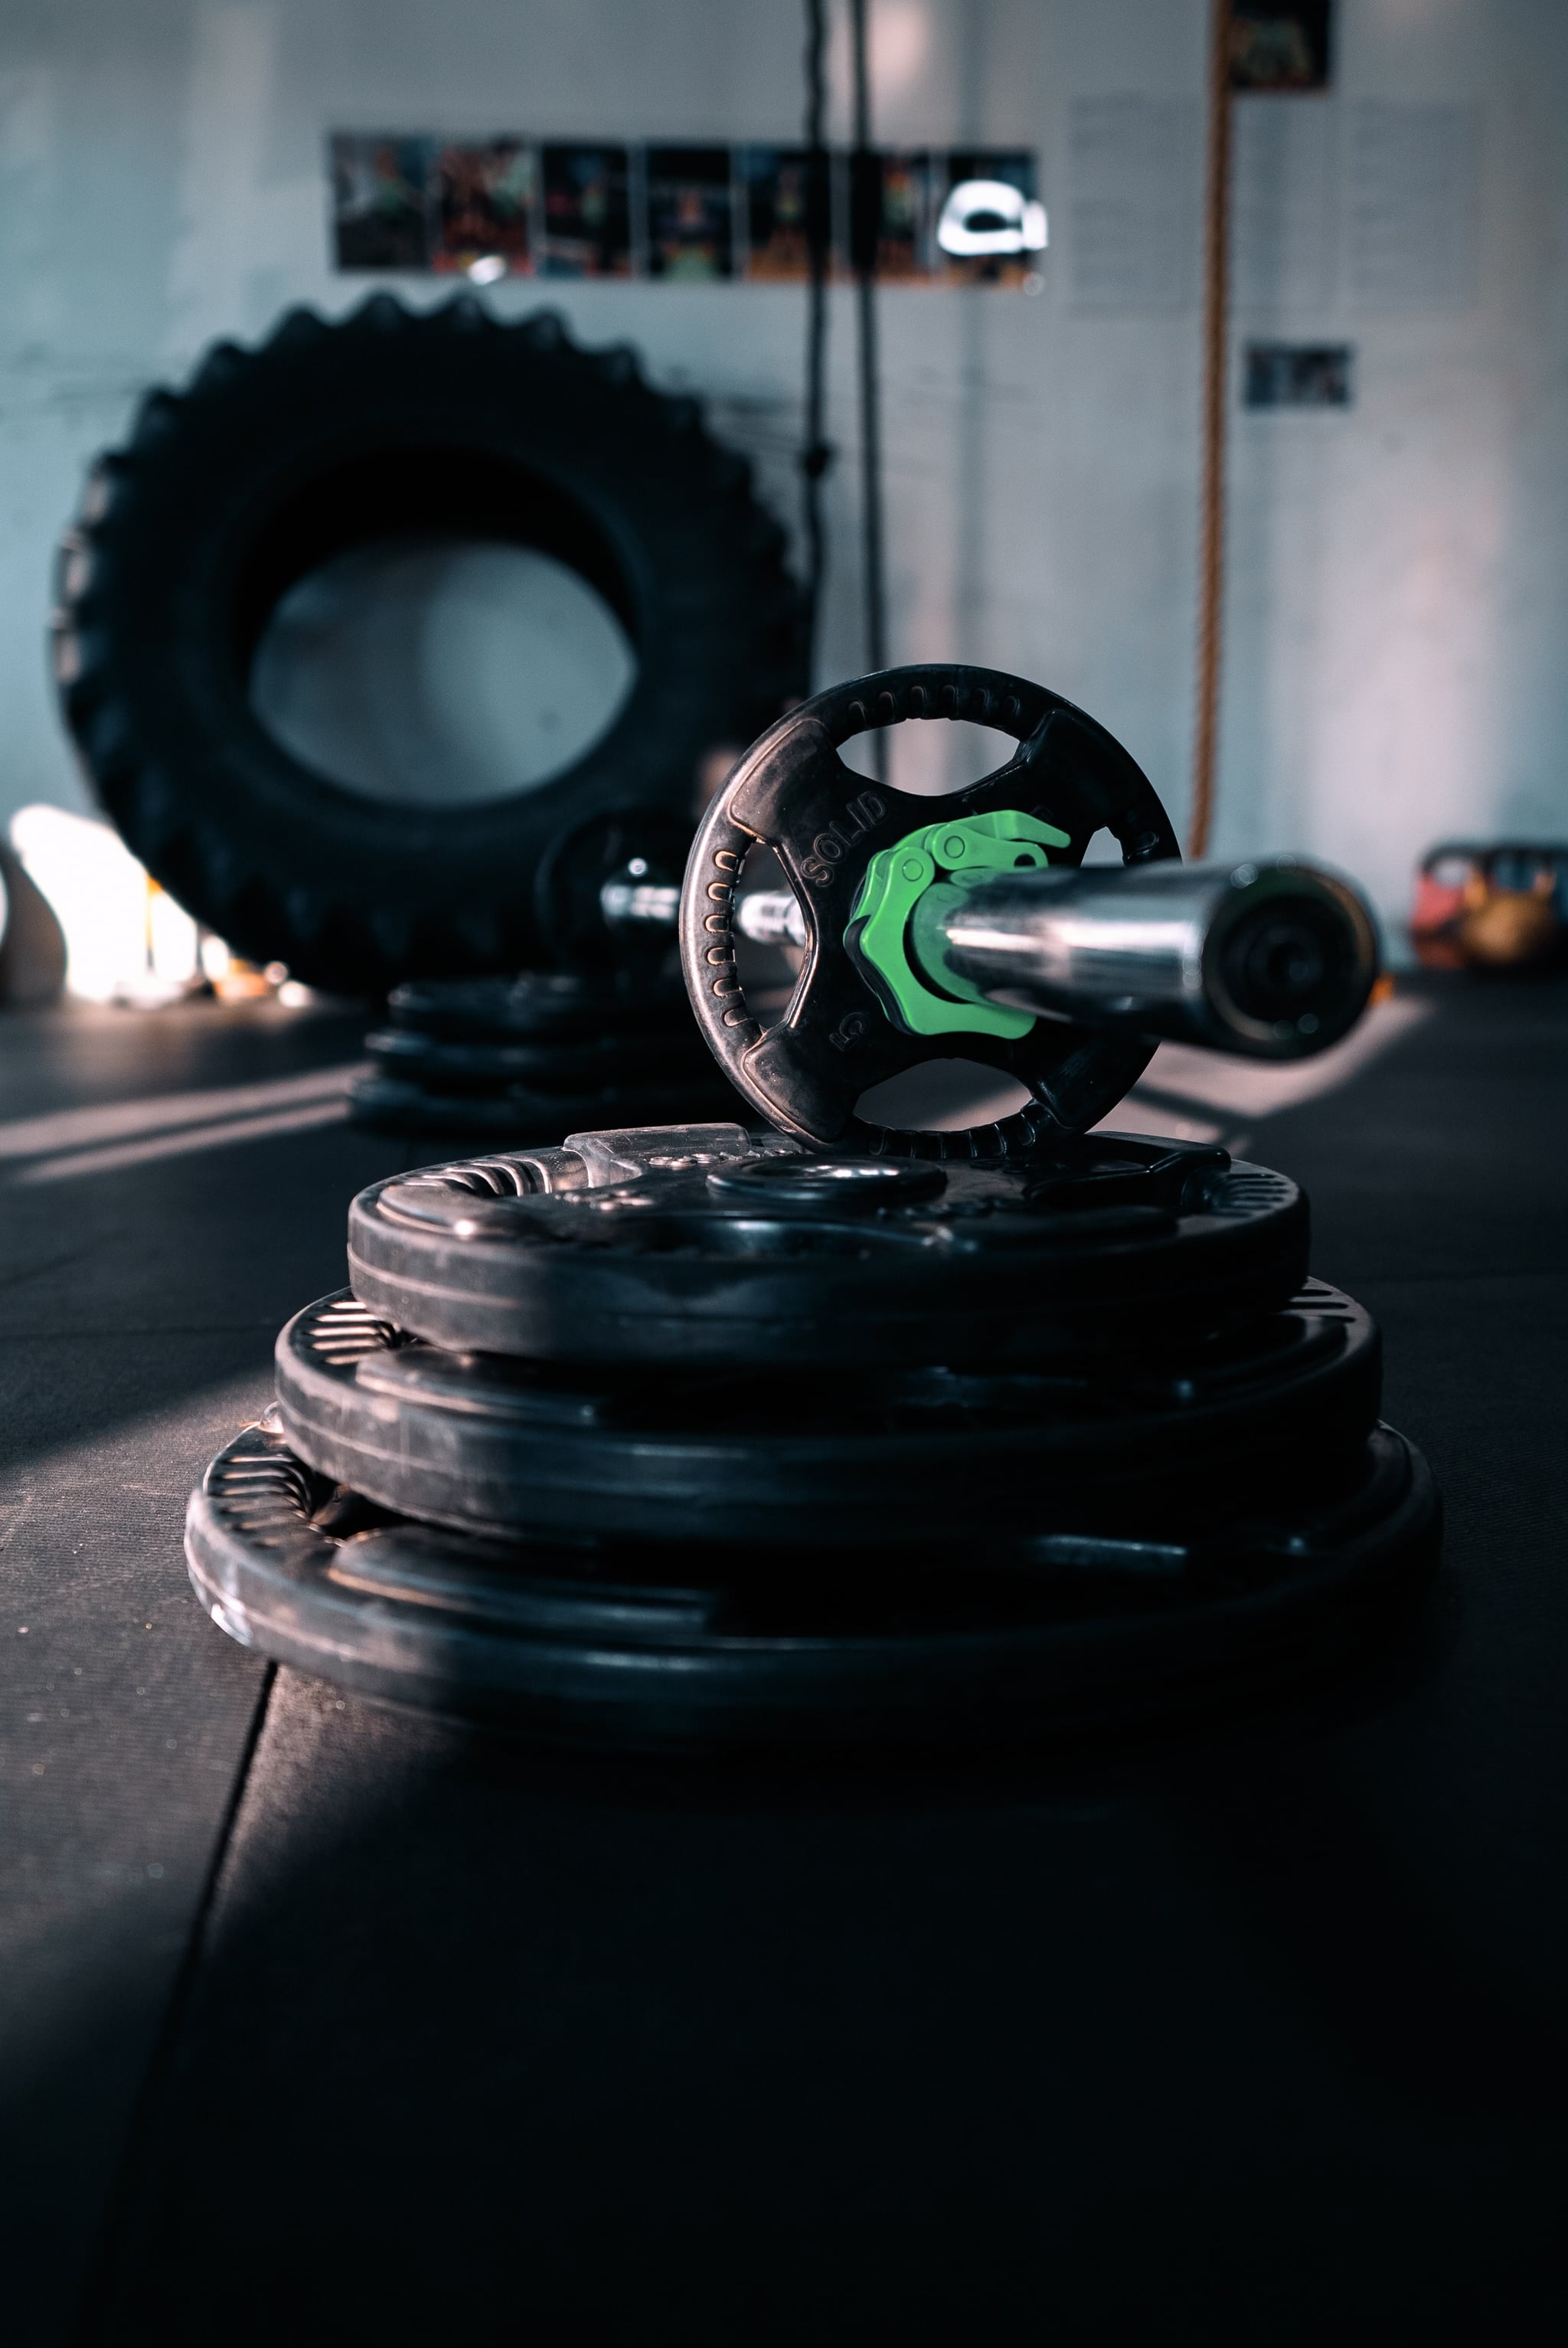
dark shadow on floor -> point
(502, 2048)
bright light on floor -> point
(1242, 1093)
(120, 1134)
(126, 941)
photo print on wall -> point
(1280, 45)
(587, 211)
(772, 184)
(1296, 374)
(485, 200)
(381, 200)
(691, 213)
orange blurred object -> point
(1496, 906)
(241, 982)
(1504, 927)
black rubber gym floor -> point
(326, 2022)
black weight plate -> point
(794, 794)
(538, 1006)
(762, 1457)
(650, 1647)
(590, 1064)
(392, 1105)
(1102, 1244)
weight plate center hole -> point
(826, 1185)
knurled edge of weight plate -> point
(274, 1583)
(268, 1502)
(249, 1523)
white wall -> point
(1399, 573)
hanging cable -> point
(817, 452)
(864, 231)
(1216, 355)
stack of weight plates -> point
(686, 1437)
(496, 1060)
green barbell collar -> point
(895, 936)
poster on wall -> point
(904, 235)
(691, 213)
(1296, 374)
(1280, 45)
(483, 199)
(1414, 210)
(381, 200)
(772, 181)
(1134, 180)
(586, 203)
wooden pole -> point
(1216, 385)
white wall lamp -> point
(987, 218)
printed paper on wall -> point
(587, 226)
(1280, 45)
(772, 186)
(381, 198)
(485, 196)
(691, 213)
